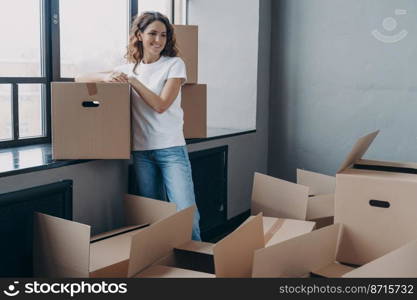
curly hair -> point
(135, 48)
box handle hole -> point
(91, 104)
(379, 203)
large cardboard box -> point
(90, 120)
(187, 43)
(375, 215)
(313, 201)
(194, 105)
(64, 248)
(376, 203)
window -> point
(55, 40)
(23, 76)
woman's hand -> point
(117, 77)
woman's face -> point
(154, 38)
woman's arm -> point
(158, 103)
(108, 76)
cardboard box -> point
(321, 191)
(316, 253)
(187, 43)
(64, 248)
(230, 257)
(376, 203)
(283, 199)
(90, 120)
(233, 255)
(194, 105)
(375, 215)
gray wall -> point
(99, 185)
(332, 81)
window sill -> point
(26, 159)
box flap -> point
(159, 271)
(112, 233)
(110, 251)
(141, 210)
(61, 247)
(278, 198)
(333, 270)
(298, 256)
(157, 240)
(320, 207)
(197, 246)
(401, 262)
(233, 255)
(290, 229)
(319, 184)
(358, 150)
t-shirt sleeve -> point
(178, 70)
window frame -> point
(51, 70)
(44, 79)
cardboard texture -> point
(297, 257)
(187, 43)
(90, 120)
(231, 257)
(194, 105)
(284, 199)
(277, 230)
(319, 184)
(401, 262)
(159, 239)
(316, 253)
(278, 198)
(358, 197)
(63, 248)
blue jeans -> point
(167, 172)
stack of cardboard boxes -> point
(375, 230)
(193, 94)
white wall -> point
(228, 59)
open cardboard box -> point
(230, 257)
(376, 202)
(64, 248)
(313, 201)
(317, 253)
(90, 120)
(187, 43)
(375, 215)
(194, 105)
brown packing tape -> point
(274, 229)
(92, 88)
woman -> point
(156, 75)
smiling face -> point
(154, 39)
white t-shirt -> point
(153, 130)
